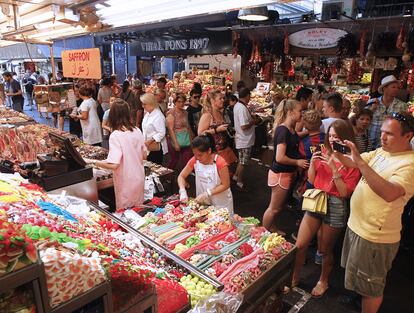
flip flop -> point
(319, 290)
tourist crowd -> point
(360, 157)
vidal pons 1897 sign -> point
(316, 38)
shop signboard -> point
(83, 63)
(316, 38)
(183, 44)
(199, 66)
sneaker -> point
(318, 258)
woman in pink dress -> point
(127, 153)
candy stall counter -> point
(81, 247)
(235, 251)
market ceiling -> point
(42, 21)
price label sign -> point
(84, 63)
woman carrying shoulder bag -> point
(326, 173)
(179, 132)
(153, 128)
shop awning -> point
(20, 51)
(30, 51)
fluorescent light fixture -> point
(253, 14)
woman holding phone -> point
(328, 174)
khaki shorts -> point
(283, 180)
(366, 264)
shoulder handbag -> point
(154, 146)
(315, 200)
(183, 138)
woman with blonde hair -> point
(286, 160)
(212, 121)
(153, 128)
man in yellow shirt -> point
(373, 234)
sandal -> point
(288, 289)
(319, 290)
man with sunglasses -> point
(194, 110)
(373, 233)
(387, 104)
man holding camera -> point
(244, 124)
(373, 234)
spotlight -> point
(254, 14)
(408, 10)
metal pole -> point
(52, 60)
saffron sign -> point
(84, 63)
(316, 38)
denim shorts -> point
(337, 215)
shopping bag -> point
(315, 200)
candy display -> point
(92, 152)
(198, 289)
(83, 245)
(16, 249)
(233, 250)
(8, 116)
(69, 274)
(24, 143)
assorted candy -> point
(233, 250)
(69, 274)
(16, 249)
(81, 249)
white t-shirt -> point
(105, 118)
(327, 122)
(91, 128)
(242, 116)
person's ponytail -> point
(204, 142)
(282, 110)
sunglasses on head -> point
(401, 118)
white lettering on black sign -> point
(173, 45)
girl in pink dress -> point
(127, 153)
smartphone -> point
(341, 148)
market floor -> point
(254, 199)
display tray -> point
(20, 277)
(145, 302)
(101, 291)
(276, 277)
(34, 274)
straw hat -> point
(386, 81)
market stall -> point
(81, 246)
